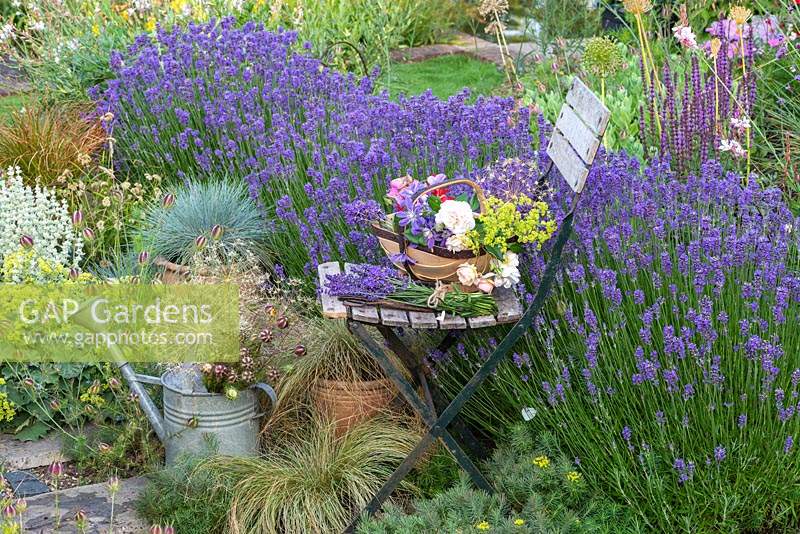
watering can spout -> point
(84, 317)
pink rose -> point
(397, 186)
(485, 285)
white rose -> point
(456, 243)
(507, 271)
(507, 280)
(456, 216)
(467, 274)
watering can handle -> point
(267, 389)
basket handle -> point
(447, 183)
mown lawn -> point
(444, 76)
(12, 103)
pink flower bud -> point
(74, 273)
(156, 529)
(21, 505)
(143, 257)
(168, 200)
(88, 234)
(55, 404)
(9, 511)
(169, 529)
(80, 520)
(26, 241)
(28, 382)
(216, 231)
(485, 285)
(77, 218)
(56, 469)
(200, 242)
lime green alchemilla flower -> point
(504, 220)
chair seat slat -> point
(332, 307)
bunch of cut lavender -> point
(369, 282)
(373, 283)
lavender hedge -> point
(317, 147)
(668, 361)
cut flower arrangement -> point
(440, 232)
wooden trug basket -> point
(435, 264)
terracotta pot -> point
(349, 403)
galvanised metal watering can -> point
(194, 421)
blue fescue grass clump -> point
(172, 229)
(668, 359)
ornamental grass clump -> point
(313, 482)
(316, 147)
(668, 360)
(216, 212)
(46, 142)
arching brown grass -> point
(312, 482)
(47, 141)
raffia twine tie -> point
(438, 294)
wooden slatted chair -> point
(577, 134)
(572, 149)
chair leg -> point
(435, 430)
(436, 401)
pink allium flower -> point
(740, 124)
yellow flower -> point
(483, 525)
(740, 15)
(519, 522)
(503, 221)
(95, 29)
(150, 25)
(573, 476)
(542, 462)
(637, 7)
(716, 44)
(7, 411)
(178, 5)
